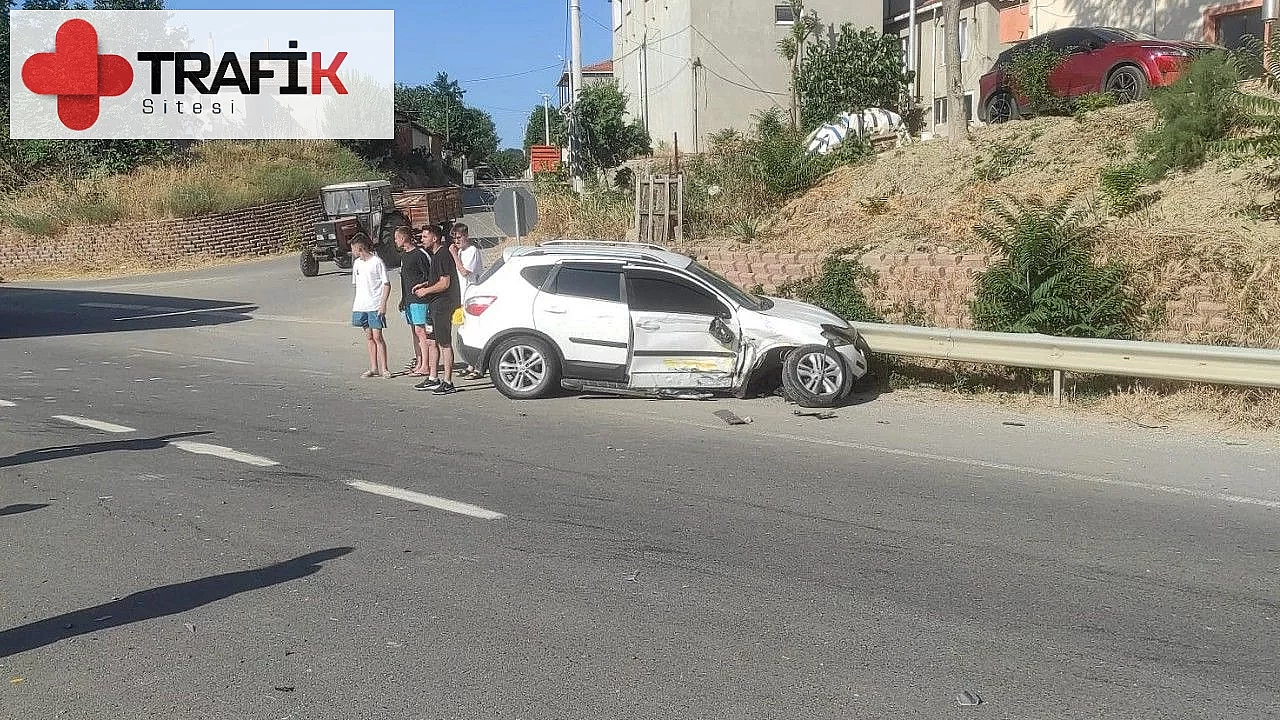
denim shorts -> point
(368, 320)
(416, 314)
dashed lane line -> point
(222, 360)
(225, 453)
(6, 403)
(439, 503)
(197, 311)
(151, 352)
(95, 424)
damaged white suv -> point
(629, 318)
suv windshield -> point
(1122, 35)
(346, 202)
(735, 293)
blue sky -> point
(473, 40)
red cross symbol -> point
(77, 74)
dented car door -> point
(681, 335)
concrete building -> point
(988, 27)
(693, 67)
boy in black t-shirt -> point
(413, 272)
(441, 289)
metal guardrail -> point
(1252, 367)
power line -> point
(735, 65)
(510, 75)
(593, 19)
(745, 87)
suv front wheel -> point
(815, 376)
(524, 367)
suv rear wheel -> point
(1002, 108)
(524, 367)
(815, 376)
(1127, 84)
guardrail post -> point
(1057, 388)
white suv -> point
(634, 318)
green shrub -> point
(1198, 110)
(1046, 280)
(96, 208)
(1121, 184)
(838, 288)
(199, 197)
(1029, 72)
(41, 226)
(1091, 102)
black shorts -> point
(442, 323)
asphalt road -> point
(191, 530)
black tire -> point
(1128, 84)
(344, 261)
(308, 263)
(815, 376)
(524, 367)
(1002, 107)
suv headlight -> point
(838, 336)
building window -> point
(966, 27)
(1238, 29)
(965, 41)
(784, 14)
(940, 109)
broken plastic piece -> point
(968, 698)
(729, 417)
(818, 415)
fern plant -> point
(1121, 185)
(1046, 280)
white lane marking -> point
(224, 310)
(95, 424)
(115, 306)
(973, 462)
(6, 403)
(221, 360)
(299, 320)
(439, 503)
(225, 453)
(152, 352)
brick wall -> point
(935, 290)
(263, 230)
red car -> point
(1099, 59)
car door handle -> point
(648, 325)
(556, 311)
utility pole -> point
(546, 118)
(957, 123)
(575, 139)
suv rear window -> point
(490, 271)
(594, 284)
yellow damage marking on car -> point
(688, 364)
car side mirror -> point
(721, 331)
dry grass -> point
(598, 216)
(216, 176)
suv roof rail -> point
(617, 243)
(623, 254)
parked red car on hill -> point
(1099, 59)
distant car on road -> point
(1122, 62)
(637, 319)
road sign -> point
(515, 211)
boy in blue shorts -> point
(413, 271)
(369, 309)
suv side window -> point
(536, 275)
(588, 283)
(661, 293)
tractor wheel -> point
(309, 264)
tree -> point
(791, 48)
(857, 69)
(511, 162)
(607, 138)
(535, 131)
(957, 122)
(468, 132)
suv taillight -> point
(479, 304)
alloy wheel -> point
(820, 373)
(522, 368)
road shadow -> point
(63, 452)
(19, 508)
(160, 602)
(27, 312)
